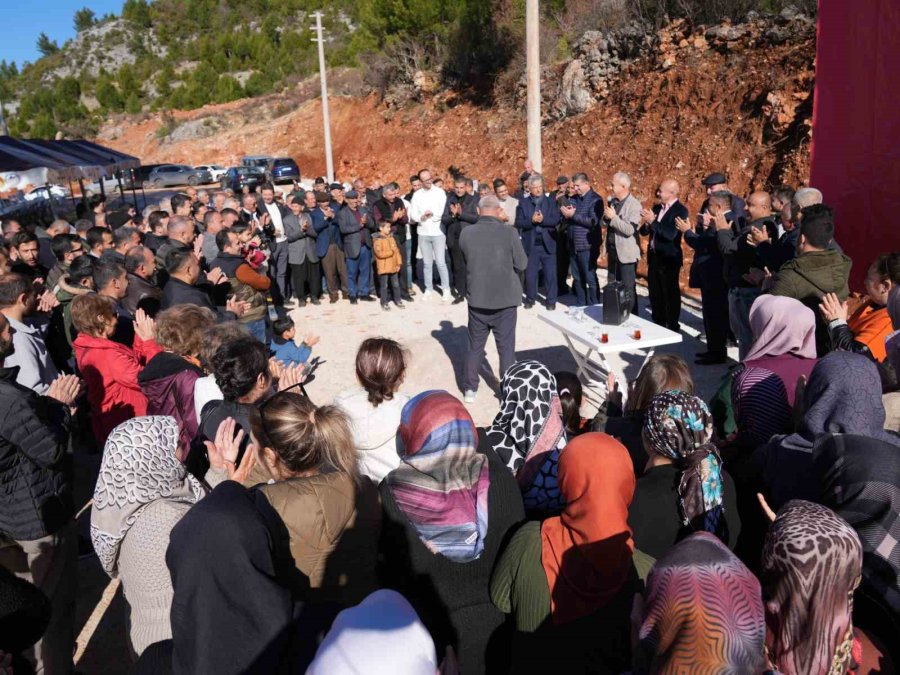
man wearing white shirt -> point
(427, 208)
(508, 204)
(278, 262)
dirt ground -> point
(435, 335)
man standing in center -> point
(278, 261)
(664, 255)
(582, 218)
(536, 221)
(426, 209)
(494, 260)
(461, 210)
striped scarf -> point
(442, 483)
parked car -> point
(239, 177)
(177, 174)
(256, 160)
(215, 170)
(283, 169)
(141, 176)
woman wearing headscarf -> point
(811, 566)
(763, 387)
(528, 434)
(142, 491)
(569, 581)
(843, 396)
(382, 635)
(448, 508)
(684, 488)
(860, 480)
(235, 607)
(702, 613)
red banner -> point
(856, 126)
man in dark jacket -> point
(247, 285)
(537, 217)
(37, 530)
(28, 251)
(356, 226)
(816, 270)
(460, 211)
(140, 266)
(582, 217)
(183, 287)
(306, 276)
(391, 208)
(329, 246)
(664, 255)
(494, 260)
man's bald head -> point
(669, 189)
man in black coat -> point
(664, 255)
(391, 208)
(183, 287)
(461, 210)
(37, 525)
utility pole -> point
(533, 74)
(329, 163)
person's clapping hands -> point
(223, 451)
(144, 325)
(833, 309)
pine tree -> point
(46, 46)
(84, 19)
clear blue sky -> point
(23, 24)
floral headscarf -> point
(679, 426)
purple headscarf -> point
(781, 326)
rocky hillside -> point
(679, 102)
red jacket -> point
(110, 371)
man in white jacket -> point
(427, 208)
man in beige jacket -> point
(622, 215)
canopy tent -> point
(41, 167)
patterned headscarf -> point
(843, 396)
(442, 483)
(760, 404)
(139, 466)
(528, 433)
(811, 564)
(703, 612)
(860, 478)
(679, 426)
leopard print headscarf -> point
(139, 466)
(811, 565)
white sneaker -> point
(427, 295)
(448, 298)
(469, 397)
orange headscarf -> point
(586, 550)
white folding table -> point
(583, 339)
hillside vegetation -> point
(183, 54)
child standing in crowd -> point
(388, 261)
(283, 346)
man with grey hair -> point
(390, 207)
(775, 253)
(536, 219)
(494, 260)
(622, 215)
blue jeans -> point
(257, 329)
(358, 273)
(583, 276)
(434, 251)
(539, 259)
(409, 262)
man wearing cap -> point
(494, 260)
(356, 231)
(329, 246)
(536, 221)
(716, 182)
(319, 185)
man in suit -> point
(329, 246)
(460, 210)
(664, 256)
(536, 219)
(622, 216)
(273, 226)
(356, 230)
(301, 245)
(581, 216)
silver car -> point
(166, 175)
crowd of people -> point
(256, 530)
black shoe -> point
(353, 301)
(399, 304)
(332, 299)
(407, 298)
(459, 300)
(386, 307)
(551, 306)
(316, 301)
(711, 360)
(529, 304)
(301, 303)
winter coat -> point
(110, 371)
(374, 430)
(334, 526)
(141, 293)
(354, 232)
(168, 383)
(35, 478)
(388, 259)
